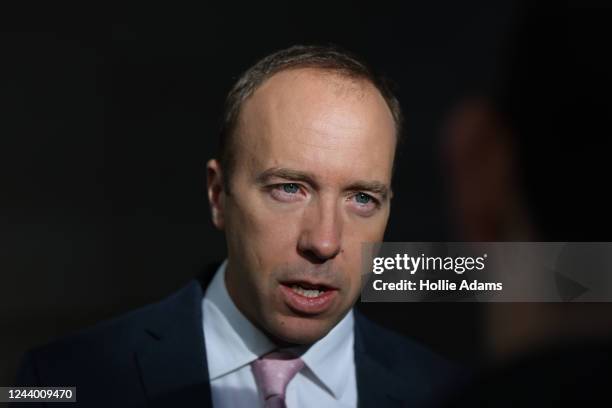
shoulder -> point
(405, 357)
(108, 345)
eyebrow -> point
(371, 186)
(295, 175)
(287, 174)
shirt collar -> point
(232, 341)
(329, 357)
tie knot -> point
(274, 371)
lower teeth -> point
(311, 293)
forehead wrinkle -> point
(325, 132)
(330, 144)
(333, 120)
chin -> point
(300, 330)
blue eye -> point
(363, 198)
(290, 188)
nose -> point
(321, 236)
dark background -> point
(108, 118)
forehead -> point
(317, 121)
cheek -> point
(358, 232)
(260, 232)
(370, 229)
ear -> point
(216, 192)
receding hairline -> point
(330, 73)
(346, 82)
(328, 61)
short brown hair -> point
(329, 58)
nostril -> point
(316, 257)
(311, 256)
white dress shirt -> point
(233, 343)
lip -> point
(306, 305)
(306, 284)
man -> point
(303, 179)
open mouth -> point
(309, 298)
(307, 290)
(310, 293)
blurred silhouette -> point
(529, 162)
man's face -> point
(311, 182)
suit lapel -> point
(173, 365)
(377, 385)
(172, 357)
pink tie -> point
(272, 374)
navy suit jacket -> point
(155, 357)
